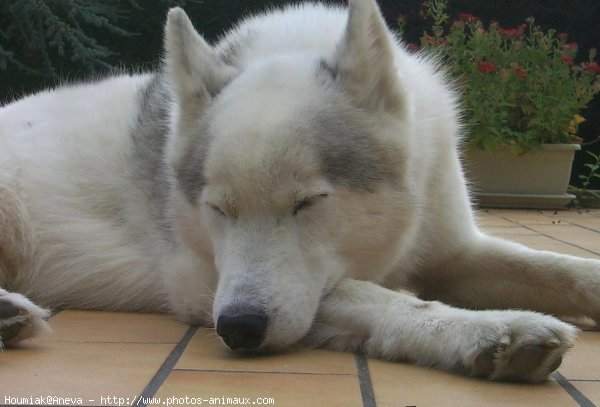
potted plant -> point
(522, 93)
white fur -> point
(80, 234)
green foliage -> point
(520, 86)
(46, 38)
(37, 32)
(593, 172)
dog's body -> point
(266, 184)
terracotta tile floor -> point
(100, 358)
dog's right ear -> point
(194, 75)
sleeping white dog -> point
(282, 185)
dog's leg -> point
(501, 345)
(497, 274)
(20, 318)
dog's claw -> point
(555, 365)
(504, 341)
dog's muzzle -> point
(242, 331)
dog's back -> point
(65, 156)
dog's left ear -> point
(194, 70)
(364, 60)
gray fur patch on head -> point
(350, 155)
(325, 70)
(148, 137)
(189, 172)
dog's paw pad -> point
(531, 363)
(20, 319)
(8, 310)
(525, 349)
(528, 363)
(527, 359)
(9, 332)
(483, 365)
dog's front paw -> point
(527, 347)
(20, 318)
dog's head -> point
(292, 168)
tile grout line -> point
(364, 379)
(180, 369)
(548, 236)
(578, 396)
(581, 226)
(562, 241)
(165, 369)
(572, 224)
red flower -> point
(413, 47)
(594, 67)
(469, 18)
(570, 45)
(567, 59)
(486, 67)
(510, 32)
(562, 36)
(520, 72)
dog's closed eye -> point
(216, 209)
(307, 203)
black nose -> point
(242, 331)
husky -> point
(298, 183)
